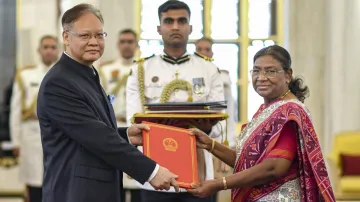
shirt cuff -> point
(154, 172)
(127, 135)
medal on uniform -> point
(154, 81)
(114, 76)
(199, 86)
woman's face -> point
(269, 79)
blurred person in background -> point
(113, 77)
(24, 124)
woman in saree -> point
(278, 155)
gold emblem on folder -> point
(170, 144)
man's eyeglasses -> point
(266, 73)
(87, 36)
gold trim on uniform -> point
(120, 82)
(141, 78)
(203, 57)
(101, 73)
(174, 86)
(28, 113)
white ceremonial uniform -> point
(24, 126)
(160, 70)
(113, 78)
(231, 108)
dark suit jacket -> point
(84, 151)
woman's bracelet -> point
(224, 182)
(212, 145)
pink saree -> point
(309, 182)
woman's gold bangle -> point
(212, 145)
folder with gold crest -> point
(174, 149)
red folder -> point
(174, 149)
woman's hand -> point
(203, 140)
(204, 125)
(207, 188)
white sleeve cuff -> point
(127, 135)
(154, 172)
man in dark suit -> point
(84, 151)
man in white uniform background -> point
(24, 125)
(113, 77)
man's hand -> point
(164, 179)
(135, 133)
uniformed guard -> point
(175, 76)
(113, 76)
(24, 125)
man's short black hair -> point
(128, 31)
(76, 12)
(173, 5)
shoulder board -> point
(143, 59)
(224, 71)
(203, 57)
(105, 63)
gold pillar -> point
(243, 55)
(207, 18)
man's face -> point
(85, 40)
(127, 45)
(49, 51)
(204, 47)
(175, 28)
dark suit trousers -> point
(35, 194)
(135, 195)
(155, 196)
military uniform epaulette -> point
(203, 57)
(106, 63)
(143, 59)
(224, 71)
